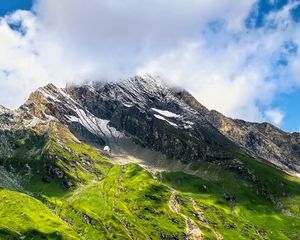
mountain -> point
(163, 119)
(138, 159)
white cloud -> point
(275, 116)
(74, 39)
(236, 73)
(231, 70)
(220, 81)
(117, 35)
(30, 60)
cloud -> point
(73, 40)
(19, 66)
(275, 116)
(29, 59)
(203, 46)
(223, 82)
(117, 36)
(238, 73)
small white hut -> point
(106, 149)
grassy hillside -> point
(127, 204)
(61, 188)
(24, 217)
(267, 208)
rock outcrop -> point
(143, 112)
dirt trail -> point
(119, 187)
(192, 230)
(202, 219)
(116, 197)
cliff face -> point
(151, 115)
(262, 140)
(139, 160)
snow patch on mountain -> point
(162, 118)
(166, 113)
(95, 125)
(72, 118)
(48, 95)
(127, 105)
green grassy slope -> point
(70, 191)
(24, 217)
(127, 204)
(267, 208)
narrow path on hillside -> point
(119, 187)
(192, 230)
(202, 219)
(116, 198)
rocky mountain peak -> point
(3, 109)
(148, 113)
(66, 146)
(190, 100)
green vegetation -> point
(24, 217)
(70, 191)
(127, 204)
(236, 207)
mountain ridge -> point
(136, 93)
(136, 160)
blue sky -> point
(289, 102)
(243, 63)
(7, 6)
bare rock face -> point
(262, 140)
(138, 111)
(3, 110)
(143, 112)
